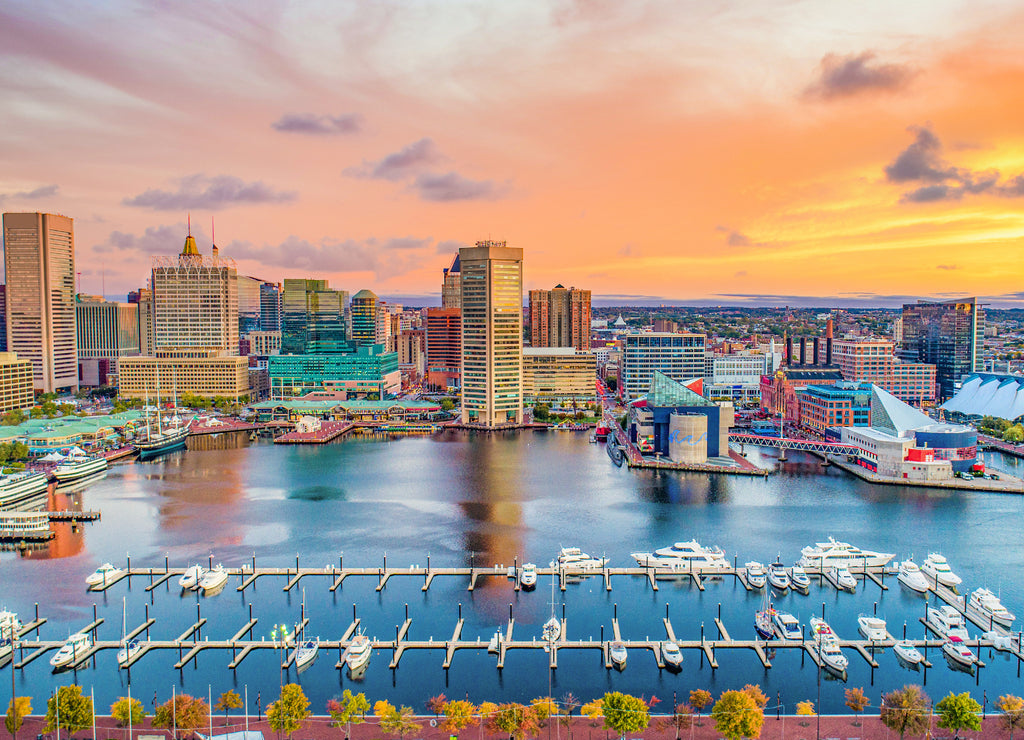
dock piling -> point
(167, 562)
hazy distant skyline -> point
(674, 151)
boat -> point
(160, 441)
(778, 578)
(528, 576)
(787, 627)
(945, 621)
(191, 577)
(78, 465)
(9, 623)
(103, 575)
(617, 653)
(128, 650)
(798, 580)
(957, 652)
(911, 577)
(1000, 640)
(873, 628)
(757, 576)
(573, 557)
(305, 652)
(72, 649)
(552, 628)
(213, 580)
(937, 568)
(844, 579)
(988, 604)
(359, 652)
(492, 644)
(671, 654)
(908, 654)
(828, 646)
(837, 554)
(694, 554)
(764, 617)
(15, 488)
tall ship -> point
(77, 465)
(15, 488)
(162, 439)
(834, 554)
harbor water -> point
(465, 498)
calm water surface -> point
(492, 498)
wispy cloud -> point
(843, 76)
(165, 239)
(45, 191)
(405, 163)
(311, 123)
(210, 193)
(735, 238)
(452, 186)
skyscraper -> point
(364, 318)
(248, 304)
(451, 291)
(492, 334)
(313, 319)
(947, 335)
(270, 307)
(39, 257)
(560, 318)
(444, 347)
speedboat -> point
(688, 555)
(798, 579)
(359, 652)
(834, 554)
(757, 576)
(988, 604)
(9, 623)
(787, 626)
(305, 652)
(873, 628)
(957, 652)
(908, 654)
(778, 578)
(72, 650)
(492, 644)
(573, 557)
(828, 645)
(945, 621)
(551, 629)
(103, 575)
(618, 654)
(191, 577)
(911, 577)
(671, 654)
(844, 579)
(213, 579)
(937, 568)
(528, 576)
(129, 649)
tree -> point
(435, 704)
(570, 702)
(458, 715)
(13, 418)
(541, 412)
(399, 721)
(755, 693)
(959, 712)
(544, 706)
(1014, 434)
(805, 709)
(905, 710)
(857, 703)
(737, 715)
(1012, 708)
(288, 713)
(594, 710)
(75, 710)
(515, 720)
(185, 712)
(680, 719)
(228, 700)
(699, 699)
(17, 710)
(350, 710)
(128, 714)
(624, 713)
(447, 404)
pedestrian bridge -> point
(789, 443)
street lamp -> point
(285, 636)
(12, 636)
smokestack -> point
(828, 329)
(803, 350)
(814, 360)
(828, 349)
(789, 351)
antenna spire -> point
(213, 230)
(190, 223)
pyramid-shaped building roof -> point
(665, 392)
(892, 415)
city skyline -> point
(649, 152)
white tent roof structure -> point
(989, 394)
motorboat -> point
(213, 580)
(799, 580)
(528, 576)
(873, 628)
(359, 652)
(937, 568)
(103, 575)
(757, 576)
(691, 550)
(77, 466)
(72, 650)
(828, 646)
(617, 653)
(908, 654)
(16, 488)
(1000, 640)
(844, 579)
(835, 554)
(671, 654)
(650, 560)
(305, 652)
(764, 617)
(945, 621)
(988, 605)
(10, 625)
(191, 577)
(787, 627)
(911, 577)
(687, 555)
(778, 578)
(492, 644)
(574, 558)
(129, 649)
(956, 651)
(551, 629)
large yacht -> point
(911, 577)
(988, 604)
(683, 555)
(872, 627)
(937, 568)
(828, 645)
(573, 557)
(787, 626)
(359, 652)
(834, 554)
(946, 621)
(17, 487)
(757, 576)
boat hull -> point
(149, 450)
(913, 581)
(73, 471)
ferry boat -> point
(191, 577)
(798, 580)
(78, 466)
(573, 557)
(359, 652)
(72, 649)
(213, 580)
(835, 554)
(937, 568)
(958, 653)
(757, 576)
(828, 646)
(787, 626)
(103, 575)
(945, 621)
(25, 525)
(911, 577)
(305, 652)
(988, 604)
(777, 577)
(17, 487)
(873, 628)
(618, 654)
(528, 577)
(671, 654)
(908, 654)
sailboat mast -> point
(159, 427)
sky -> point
(676, 151)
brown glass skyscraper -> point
(560, 318)
(947, 335)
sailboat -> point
(552, 628)
(129, 648)
(162, 440)
(764, 617)
(305, 650)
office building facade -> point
(451, 285)
(678, 356)
(314, 318)
(368, 371)
(364, 318)
(16, 381)
(444, 348)
(270, 307)
(559, 375)
(873, 360)
(107, 331)
(949, 335)
(560, 318)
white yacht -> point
(671, 654)
(528, 576)
(946, 621)
(77, 466)
(617, 653)
(908, 654)
(911, 577)
(844, 579)
(103, 575)
(191, 577)
(757, 576)
(873, 628)
(15, 488)
(834, 554)
(72, 650)
(957, 651)
(492, 644)
(129, 649)
(798, 579)
(9, 623)
(213, 580)
(574, 558)
(684, 555)
(305, 652)
(359, 652)
(937, 568)
(988, 604)
(828, 645)
(787, 626)
(778, 578)
(551, 629)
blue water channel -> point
(488, 499)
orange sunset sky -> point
(726, 152)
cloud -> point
(211, 193)
(400, 165)
(166, 239)
(735, 238)
(629, 250)
(449, 247)
(843, 76)
(948, 267)
(44, 191)
(310, 123)
(452, 186)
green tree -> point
(541, 412)
(458, 715)
(624, 713)
(699, 699)
(228, 700)
(127, 713)
(75, 710)
(737, 715)
(17, 710)
(544, 706)
(513, 719)
(959, 712)
(1012, 708)
(350, 710)
(905, 710)
(186, 713)
(1014, 434)
(289, 712)
(400, 721)
(13, 418)
(447, 404)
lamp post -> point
(14, 697)
(282, 633)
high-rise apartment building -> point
(492, 334)
(364, 318)
(39, 257)
(949, 335)
(3, 318)
(451, 290)
(15, 383)
(444, 347)
(270, 307)
(679, 356)
(560, 318)
(313, 318)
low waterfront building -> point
(43, 436)
(559, 374)
(350, 410)
(779, 390)
(843, 404)
(209, 377)
(16, 387)
(370, 370)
